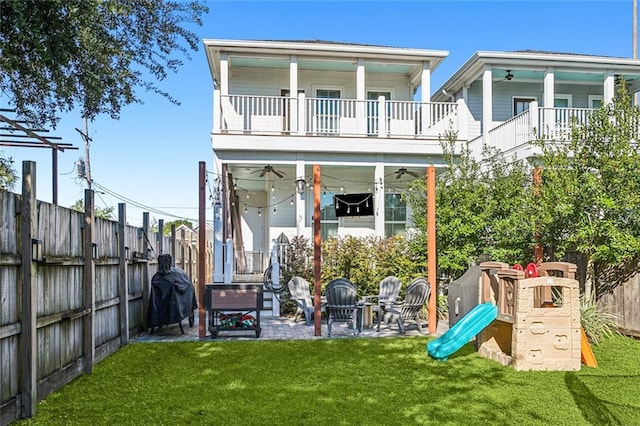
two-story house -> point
(366, 115)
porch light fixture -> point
(300, 185)
(259, 212)
(292, 200)
(272, 188)
(245, 210)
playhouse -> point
(538, 319)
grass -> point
(341, 381)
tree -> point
(7, 173)
(59, 54)
(166, 229)
(101, 212)
(481, 207)
(590, 191)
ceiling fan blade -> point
(278, 173)
(263, 172)
(399, 175)
(414, 174)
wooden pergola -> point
(17, 133)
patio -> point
(281, 328)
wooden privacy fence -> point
(73, 289)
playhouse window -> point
(546, 296)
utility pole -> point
(87, 140)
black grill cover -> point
(463, 294)
(172, 297)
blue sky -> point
(151, 154)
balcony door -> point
(327, 111)
(372, 110)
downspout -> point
(451, 97)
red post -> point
(202, 249)
(431, 247)
(317, 248)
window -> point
(395, 215)
(521, 105)
(562, 101)
(595, 101)
(328, 219)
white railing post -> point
(382, 117)
(217, 111)
(534, 114)
(302, 118)
(275, 278)
(463, 120)
(228, 262)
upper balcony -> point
(302, 116)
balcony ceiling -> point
(559, 76)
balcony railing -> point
(340, 117)
(553, 124)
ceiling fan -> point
(403, 171)
(269, 169)
(508, 76)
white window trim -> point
(568, 97)
(378, 89)
(595, 98)
(315, 88)
(513, 98)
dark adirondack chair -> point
(409, 308)
(301, 294)
(388, 293)
(342, 303)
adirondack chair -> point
(389, 292)
(342, 304)
(409, 308)
(301, 294)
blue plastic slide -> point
(463, 331)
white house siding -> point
(474, 101)
(580, 93)
(269, 82)
(253, 226)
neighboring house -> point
(516, 97)
(365, 114)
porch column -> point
(361, 97)
(548, 102)
(425, 97)
(487, 106)
(378, 178)
(300, 199)
(224, 74)
(218, 260)
(609, 87)
(290, 104)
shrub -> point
(596, 323)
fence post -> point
(182, 244)
(28, 337)
(146, 284)
(88, 283)
(123, 276)
(173, 244)
(160, 234)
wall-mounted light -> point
(127, 253)
(36, 250)
(300, 185)
(94, 251)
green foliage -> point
(591, 187)
(480, 208)
(597, 324)
(359, 381)
(57, 54)
(101, 212)
(7, 173)
(166, 229)
(364, 261)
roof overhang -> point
(472, 69)
(319, 51)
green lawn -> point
(381, 381)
